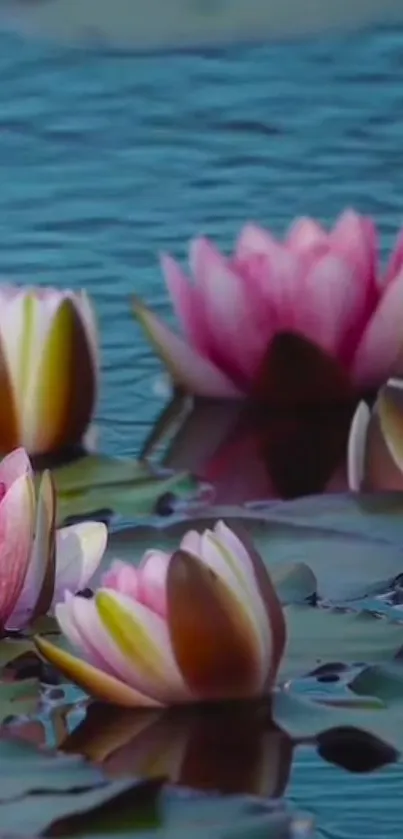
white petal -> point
(356, 448)
(79, 550)
(43, 545)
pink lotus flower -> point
(325, 286)
(37, 563)
(202, 624)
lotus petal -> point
(79, 550)
(65, 380)
(355, 237)
(152, 575)
(274, 611)
(13, 466)
(187, 303)
(37, 593)
(187, 368)
(390, 411)
(212, 636)
(357, 446)
(304, 234)
(93, 681)
(9, 425)
(379, 354)
(16, 535)
(143, 640)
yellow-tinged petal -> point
(213, 639)
(93, 681)
(142, 637)
(63, 390)
(390, 411)
(9, 427)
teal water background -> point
(107, 159)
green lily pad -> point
(128, 488)
(26, 770)
(317, 636)
(177, 815)
(306, 719)
(18, 698)
(93, 807)
(13, 648)
(352, 544)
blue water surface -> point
(108, 159)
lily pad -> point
(128, 488)
(13, 648)
(26, 770)
(373, 704)
(317, 636)
(179, 814)
(18, 698)
(352, 544)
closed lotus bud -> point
(375, 449)
(48, 368)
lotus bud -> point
(202, 624)
(48, 368)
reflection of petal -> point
(288, 440)
(105, 729)
(260, 452)
(232, 748)
(301, 450)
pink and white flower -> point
(203, 624)
(324, 286)
(37, 562)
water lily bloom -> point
(324, 286)
(202, 624)
(49, 366)
(375, 446)
(37, 562)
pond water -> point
(108, 159)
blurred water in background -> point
(107, 159)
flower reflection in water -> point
(231, 748)
(289, 439)
(249, 455)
